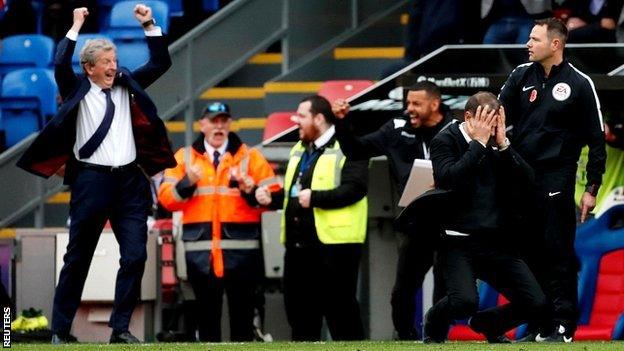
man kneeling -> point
(474, 160)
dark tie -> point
(100, 133)
(215, 158)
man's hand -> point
(479, 127)
(263, 196)
(194, 174)
(340, 108)
(80, 14)
(143, 14)
(304, 198)
(607, 23)
(246, 184)
(575, 22)
(588, 202)
(501, 135)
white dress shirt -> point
(325, 137)
(118, 147)
(210, 150)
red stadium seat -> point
(599, 246)
(342, 89)
(608, 303)
(276, 123)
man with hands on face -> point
(213, 185)
(475, 161)
(323, 228)
(104, 139)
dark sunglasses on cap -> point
(216, 109)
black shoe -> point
(58, 339)
(123, 338)
(529, 337)
(500, 339)
(433, 333)
(558, 335)
(406, 335)
(492, 338)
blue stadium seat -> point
(124, 26)
(19, 120)
(211, 5)
(132, 54)
(82, 39)
(33, 82)
(175, 8)
(28, 97)
(26, 50)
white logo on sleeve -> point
(561, 91)
(527, 88)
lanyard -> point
(306, 161)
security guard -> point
(213, 184)
(323, 228)
(555, 111)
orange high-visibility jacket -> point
(215, 201)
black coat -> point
(487, 184)
(53, 147)
(553, 118)
(397, 140)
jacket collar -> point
(554, 71)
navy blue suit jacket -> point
(53, 147)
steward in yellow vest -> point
(323, 228)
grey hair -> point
(91, 49)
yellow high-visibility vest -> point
(345, 225)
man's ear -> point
(319, 119)
(88, 68)
(556, 44)
(435, 104)
(467, 115)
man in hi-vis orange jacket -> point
(213, 184)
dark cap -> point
(215, 109)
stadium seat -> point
(211, 5)
(342, 89)
(276, 123)
(24, 51)
(28, 98)
(600, 248)
(175, 8)
(33, 82)
(82, 39)
(124, 26)
(132, 54)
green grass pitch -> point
(334, 346)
